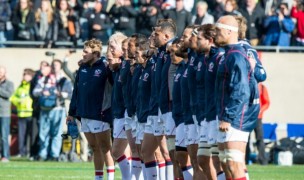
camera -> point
(49, 53)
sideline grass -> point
(25, 170)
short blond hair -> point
(118, 38)
(94, 44)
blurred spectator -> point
(99, 22)
(182, 17)
(6, 90)
(219, 9)
(52, 89)
(23, 21)
(124, 17)
(147, 18)
(254, 15)
(231, 8)
(278, 26)
(66, 24)
(5, 15)
(202, 15)
(77, 6)
(34, 146)
(297, 12)
(23, 102)
(189, 4)
(44, 20)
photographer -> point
(278, 26)
(297, 12)
(147, 18)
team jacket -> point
(177, 107)
(259, 71)
(192, 68)
(164, 93)
(118, 105)
(88, 91)
(211, 61)
(153, 105)
(232, 87)
(134, 88)
(200, 87)
(144, 92)
(187, 113)
(126, 81)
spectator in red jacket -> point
(297, 12)
(259, 134)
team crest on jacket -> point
(161, 55)
(185, 73)
(210, 68)
(123, 65)
(222, 59)
(176, 77)
(146, 75)
(192, 61)
(199, 66)
(97, 72)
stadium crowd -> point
(175, 101)
(270, 22)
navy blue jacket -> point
(232, 87)
(193, 61)
(177, 108)
(259, 71)
(200, 88)
(118, 106)
(144, 92)
(164, 94)
(134, 88)
(126, 80)
(211, 60)
(187, 113)
(88, 91)
(153, 105)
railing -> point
(30, 44)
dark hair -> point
(58, 61)
(208, 30)
(167, 25)
(29, 71)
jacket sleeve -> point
(238, 90)
(67, 71)
(7, 91)
(287, 25)
(73, 103)
(67, 89)
(259, 71)
(7, 13)
(15, 98)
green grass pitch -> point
(25, 170)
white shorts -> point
(180, 138)
(158, 126)
(140, 130)
(203, 132)
(131, 124)
(169, 123)
(150, 125)
(213, 130)
(119, 128)
(93, 126)
(192, 133)
(232, 135)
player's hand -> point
(69, 118)
(224, 126)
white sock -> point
(98, 174)
(111, 172)
(246, 174)
(169, 169)
(143, 171)
(162, 170)
(221, 176)
(151, 170)
(188, 172)
(135, 168)
(125, 167)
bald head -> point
(227, 30)
(2, 73)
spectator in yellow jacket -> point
(23, 102)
